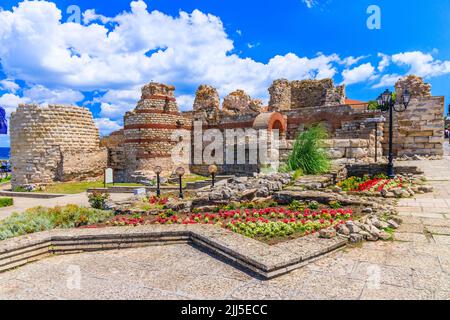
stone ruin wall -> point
(419, 129)
(308, 102)
(238, 111)
(116, 153)
(148, 132)
(290, 95)
(351, 130)
(54, 143)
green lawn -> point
(78, 187)
(191, 178)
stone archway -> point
(271, 121)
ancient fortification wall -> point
(288, 95)
(148, 130)
(354, 131)
(54, 143)
(419, 129)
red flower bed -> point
(158, 201)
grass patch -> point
(42, 219)
(5, 180)
(79, 187)
(306, 153)
(6, 202)
(191, 177)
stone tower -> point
(148, 130)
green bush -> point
(307, 154)
(41, 219)
(98, 199)
(6, 202)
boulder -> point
(343, 229)
(327, 233)
(355, 238)
(392, 224)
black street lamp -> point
(158, 171)
(386, 102)
(212, 169)
(180, 173)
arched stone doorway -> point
(271, 121)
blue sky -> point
(117, 46)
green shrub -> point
(41, 219)
(296, 205)
(20, 189)
(98, 199)
(6, 202)
(335, 205)
(307, 154)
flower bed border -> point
(259, 258)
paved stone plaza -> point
(414, 266)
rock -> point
(352, 227)
(397, 219)
(392, 224)
(387, 194)
(384, 235)
(356, 238)
(374, 231)
(176, 205)
(367, 210)
(380, 224)
(426, 188)
(248, 194)
(365, 234)
(343, 229)
(327, 233)
(263, 192)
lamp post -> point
(158, 171)
(212, 169)
(387, 103)
(180, 173)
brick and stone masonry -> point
(419, 129)
(61, 143)
(148, 131)
(54, 143)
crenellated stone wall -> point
(54, 143)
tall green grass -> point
(307, 154)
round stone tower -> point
(148, 129)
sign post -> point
(108, 176)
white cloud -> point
(41, 95)
(349, 61)
(185, 102)
(310, 3)
(11, 101)
(384, 62)
(9, 85)
(422, 64)
(106, 126)
(189, 49)
(358, 74)
(91, 16)
(388, 80)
